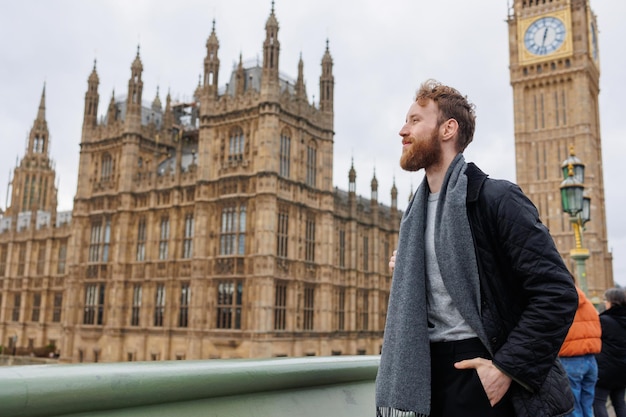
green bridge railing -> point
(312, 386)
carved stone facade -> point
(204, 229)
(555, 72)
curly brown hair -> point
(452, 105)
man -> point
(480, 300)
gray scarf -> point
(403, 381)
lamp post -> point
(578, 206)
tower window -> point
(365, 253)
(311, 165)
(3, 259)
(363, 310)
(340, 308)
(136, 309)
(236, 145)
(36, 307)
(159, 305)
(309, 307)
(94, 304)
(62, 256)
(57, 306)
(233, 233)
(41, 258)
(21, 259)
(188, 237)
(285, 150)
(106, 172)
(309, 241)
(229, 300)
(100, 240)
(141, 240)
(280, 305)
(342, 248)
(282, 236)
(185, 299)
(164, 238)
(17, 304)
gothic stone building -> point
(204, 229)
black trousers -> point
(459, 392)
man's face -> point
(420, 137)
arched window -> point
(106, 172)
(285, 152)
(236, 145)
(233, 231)
(311, 164)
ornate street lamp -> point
(578, 206)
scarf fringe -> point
(392, 412)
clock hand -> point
(545, 34)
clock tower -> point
(555, 71)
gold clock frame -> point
(565, 49)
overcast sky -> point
(382, 51)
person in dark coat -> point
(612, 358)
(480, 300)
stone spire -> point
(327, 82)
(211, 63)
(133, 101)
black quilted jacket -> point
(612, 358)
(528, 295)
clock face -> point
(544, 36)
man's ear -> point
(449, 129)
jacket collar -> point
(475, 181)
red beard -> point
(421, 153)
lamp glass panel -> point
(572, 199)
(586, 213)
(579, 172)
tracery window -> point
(309, 240)
(94, 304)
(229, 300)
(280, 305)
(233, 230)
(164, 238)
(106, 170)
(141, 240)
(282, 235)
(159, 305)
(135, 314)
(185, 299)
(311, 165)
(100, 240)
(285, 152)
(188, 237)
(236, 145)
